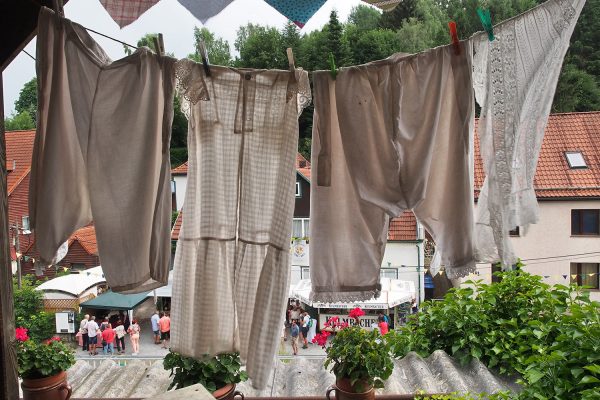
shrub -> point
(548, 334)
(38, 359)
(28, 306)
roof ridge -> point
(18, 182)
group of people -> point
(299, 323)
(161, 328)
(106, 336)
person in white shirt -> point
(84, 332)
(92, 328)
(154, 320)
(120, 332)
(305, 327)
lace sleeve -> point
(191, 85)
(304, 96)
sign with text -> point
(299, 250)
(366, 321)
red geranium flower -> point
(356, 312)
(53, 339)
(321, 338)
(21, 334)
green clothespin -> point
(486, 21)
(332, 67)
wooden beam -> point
(9, 388)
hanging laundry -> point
(232, 262)
(385, 5)
(389, 136)
(514, 78)
(297, 11)
(101, 153)
(124, 12)
(205, 9)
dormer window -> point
(575, 159)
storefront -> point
(395, 294)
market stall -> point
(69, 291)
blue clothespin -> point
(486, 21)
(333, 69)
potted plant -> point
(42, 366)
(360, 359)
(218, 374)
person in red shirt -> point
(164, 324)
(108, 339)
(383, 326)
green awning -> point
(115, 301)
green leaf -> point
(589, 379)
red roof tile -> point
(177, 226)
(303, 166)
(554, 178)
(19, 147)
(180, 170)
(403, 227)
(86, 236)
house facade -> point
(564, 245)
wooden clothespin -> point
(332, 69)
(204, 56)
(159, 44)
(292, 64)
(454, 36)
(486, 21)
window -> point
(305, 274)
(575, 159)
(173, 186)
(300, 228)
(586, 274)
(25, 223)
(585, 222)
(298, 189)
(515, 232)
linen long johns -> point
(232, 260)
(389, 136)
(515, 77)
(102, 152)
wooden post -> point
(9, 386)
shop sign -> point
(299, 250)
(366, 321)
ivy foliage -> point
(212, 372)
(361, 356)
(550, 335)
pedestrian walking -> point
(92, 328)
(383, 325)
(108, 340)
(305, 328)
(134, 336)
(164, 324)
(155, 329)
(294, 333)
(120, 332)
(84, 332)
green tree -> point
(336, 44)
(19, 122)
(576, 91)
(27, 100)
(146, 41)
(260, 47)
(217, 48)
(29, 309)
(395, 18)
(364, 18)
(371, 45)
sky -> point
(172, 20)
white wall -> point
(180, 188)
(551, 237)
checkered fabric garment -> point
(124, 12)
(232, 259)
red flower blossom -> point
(321, 338)
(356, 312)
(21, 334)
(53, 339)
(344, 325)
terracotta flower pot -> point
(227, 392)
(344, 390)
(50, 388)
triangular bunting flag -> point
(564, 276)
(297, 11)
(204, 10)
(546, 276)
(124, 12)
(592, 274)
(385, 5)
(574, 276)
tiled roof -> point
(403, 227)
(438, 373)
(19, 147)
(303, 166)
(86, 236)
(180, 170)
(177, 226)
(554, 178)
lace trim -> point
(299, 89)
(344, 297)
(191, 86)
